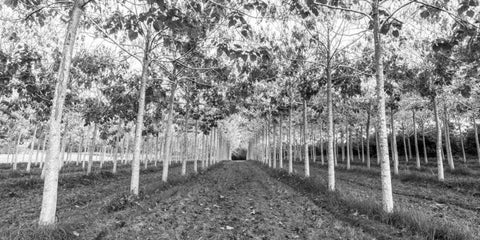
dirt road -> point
(235, 201)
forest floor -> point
(231, 200)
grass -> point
(33, 231)
(414, 221)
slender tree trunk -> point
(168, 129)
(417, 152)
(477, 144)
(394, 144)
(115, 156)
(405, 151)
(367, 136)
(322, 158)
(185, 145)
(49, 197)
(305, 143)
(330, 136)
(447, 138)
(15, 158)
(290, 150)
(461, 141)
(387, 195)
(32, 147)
(195, 157)
(137, 144)
(347, 141)
(92, 149)
(280, 156)
(362, 144)
(274, 158)
(439, 141)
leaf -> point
(425, 14)
(470, 13)
(157, 25)
(244, 33)
(395, 33)
(132, 35)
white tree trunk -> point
(49, 197)
(137, 144)
(387, 196)
(439, 142)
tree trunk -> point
(274, 157)
(185, 143)
(168, 130)
(439, 141)
(305, 143)
(115, 156)
(49, 197)
(477, 144)
(137, 145)
(417, 152)
(15, 158)
(451, 164)
(347, 141)
(362, 144)
(322, 159)
(290, 150)
(367, 136)
(92, 149)
(280, 155)
(387, 196)
(425, 156)
(195, 157)
(461, 141)
(330, 136)
(405, 151)
(394, 144)
(32, 148)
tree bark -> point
(274, 158)
(330, 136)
(305, 142)
(387, 196)
(439, 141)
(49, 197)
(394, 144)
(185, 143)
(92, 149)
(477, 144)
(15, 158)
(195, 157)
(290, 153)
(367, 135)
(448, 144)
(137, 145)
(168, 130)
(405, 151)
(32, 148)
(347, 141)
(280, 155)
(417, 152)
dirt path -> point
(235, 201)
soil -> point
(230, 200)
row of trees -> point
(145, 67)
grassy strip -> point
(419, 177)
(414, 221)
